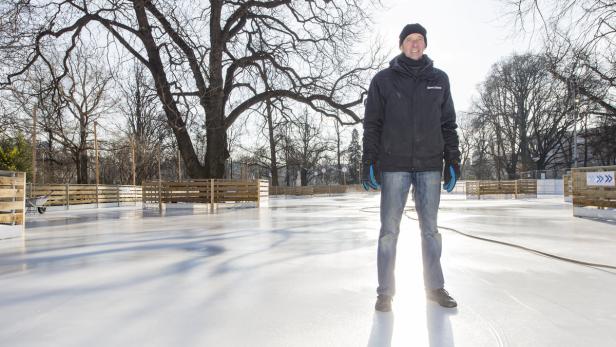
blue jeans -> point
(427, 195)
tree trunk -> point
(303, 176)
(82, 152)
(272, 141)
(174, 119)
(213, 101)
(216, 153)
(82, 167)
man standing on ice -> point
(409, 130)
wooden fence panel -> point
(12, 197)
(79, 194)
(516, 188)
(527, 187)
(203, 191)
(585, 195)
(312, 190)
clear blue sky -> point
(464, 37)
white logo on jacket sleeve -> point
(434, 87)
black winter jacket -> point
(410, 121)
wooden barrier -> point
(313, 190)
(263, 191)
(79, 194)
(210, 191)
(600, 196)
(12, 197)
(517, 188)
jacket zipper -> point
(413, 122)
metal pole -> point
(575, 117)
(158, 150)
(96, 162)
(160, 193)
(132, 150)
(34, 121)
(68, 197)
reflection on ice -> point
(302, 272)
(382, 329)
(440, 333)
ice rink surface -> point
(302, 272)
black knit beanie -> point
(413, 29)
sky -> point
(465, 38)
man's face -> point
(413, 46)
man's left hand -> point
(451, 174)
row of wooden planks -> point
(12, 197)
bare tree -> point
(274, 113)
(483, 161)
(525, 111)
(8, 115)
(144, 124)
(37, 105)
(83, 89)
(307, 146)
(211, 52)
(467, 140)
(579, 43)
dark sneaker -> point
(383, 303)
(441, 297)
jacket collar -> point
(423, 72)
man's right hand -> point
(451, 174)
(371, 175)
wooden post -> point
(14, 177)
(478, 190)
(96, 161)
(160, 197)
(515, 194)
(158, 156)
(34, 121)
(23, 204)
(118, 193)
(212, 195)
(67, 197)
(258, 193)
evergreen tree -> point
(354, 158)
(16, 154)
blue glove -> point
(451, 174)
(370, 175)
